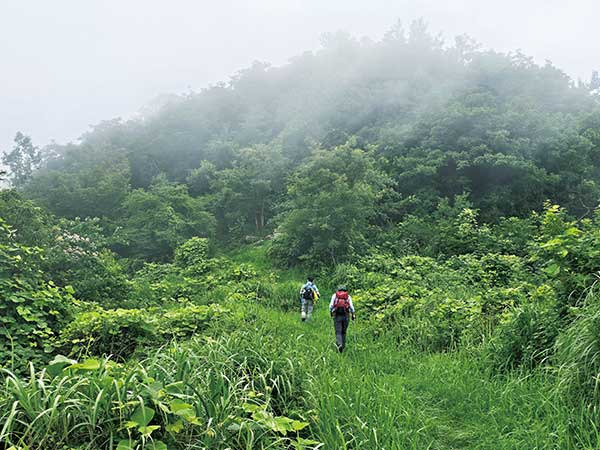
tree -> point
(156, 221)
(22, 160)
(94, 184)
(332, 198)
(248, 191)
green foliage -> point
(434, 305)
(246, 193)
(155, 222)
(32, 310)
(331, 200)
(527, 333)
(203, 281)
(90, 181)
(568, 252)
(454, 228)
(79, 257)
(210, 393)
(192, 254)
(120, 332)
(22, 160)
(30, 223)
(577, 355)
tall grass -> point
(578, 360)
(195, 395)
(276, 382)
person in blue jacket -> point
(309, 293)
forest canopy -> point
(432, 120)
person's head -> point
(343, 288)
(311, 279)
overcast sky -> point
(66, 64)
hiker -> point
(309, 293)
(340, 309)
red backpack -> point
(341, 303)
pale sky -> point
(67, 64)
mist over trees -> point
(431, 120)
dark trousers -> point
(341, 325)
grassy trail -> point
(376, 397)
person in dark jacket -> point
(341, 309)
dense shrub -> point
(157, 221)
(527, 333)
(209, 281)
(121, 332)
(79, 256)
(192, 254)
(158, 284)
(434, 305)
(32, 310)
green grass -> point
(373, 396)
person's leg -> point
(303, 309)
(344, 329)
(309, 311)
(339, 324)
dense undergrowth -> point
(451, 353)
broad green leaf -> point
(174, 388)
(59, 362)
(142, 416)
(301, 443)
(175, 427)
(88, 364)
(552, 270)
(573, 231)
(250, 407)
(126, 445)
(297, 425)
(179, 405)
(552, 243)
(156, 445)
(147, 430)
(192, 419)
(283, 424)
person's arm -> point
(331, 303)
(317, 290)
(351, 305)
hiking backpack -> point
(308, 294)
(341, 304)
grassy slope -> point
(377, 396)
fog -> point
(68, 64)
